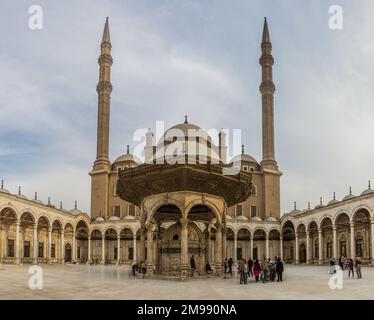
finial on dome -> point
(128, 149)
(320, 201)
(334, 196)
(350, 190)
(60, 205)
(75, 204)
(2, 184)
(36, 196)
(185, 119)
(242, 148)
(369, 185)
(49, 201)
(19, 190)
(294, 205)
(308, 205)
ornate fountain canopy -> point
(134, 184)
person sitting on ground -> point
(208, 268)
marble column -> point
(281, 247)
(150, 249)
(17, 256)
(74, 257)
(184, 248)
(35, 244)
(218, 249)
(334, 242)
(89, 249)
(235, 248)
(297, 258)
(353, 244)
(307, 234)
(62, 247)
(118, 248)
(209, 246)
(267, 247)
(103, 249)
(135, 258)
(49, 257)
(142, 244)
(251, 246)
(320, 247)
(372, 241)
(1, 243)
(224, 243)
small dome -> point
(114, 218)
(244, 157)
(295, 211)
(128, 157)
(241, 218)
(228, 217)
(256, 218)
(129, 217)
(367, 191)
(75, 211)
(333, 201)
(22, 196)
(99, 219)
(319, 206)
(37, 201)
(4, 190)
(271, 219)
(348, 196)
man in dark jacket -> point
(250, 267)
(279, 269)
(193, 265)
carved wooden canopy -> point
(150, 179)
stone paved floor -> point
(110, 282)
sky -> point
(187, 57)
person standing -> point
(256, 269)
(250, 266)
(225, 268)
(229, 264)
(264, 268)
(358, 268)
(341, 263)
(242, 271)
(351, 268)
(279, 269)
(192, 265)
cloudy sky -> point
(199, 58)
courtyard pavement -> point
(111, 282)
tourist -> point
(225, 267)
(264, 268)
(192, 265)
(272, 270)
(141, 267)
(250, 267)
(341, 262)
(230, 263)
(243, 271)
(332, 266)
(351, 268)
(256, 269)
(208, 268)
(134, 267)
(279, 269)
(358, 268)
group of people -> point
(347, 264)
(266, 270)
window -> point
(359, 247)
(53, 250)
(329, 250)
(131, 210)
(254, 191)
(79, 253)
(253, 211)
(239, 210)
(41, 250)
(245, 168)
(117, 211)
(26, 249)
(115, 253)
(10, 248)
(175, 237)
(343, 248)
(239, 253)
(131, 254)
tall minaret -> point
(104, 89)
(267, 89)
(101, 169)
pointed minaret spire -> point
(106, 35)
(265, 32)
(267, 89)
(104, 90)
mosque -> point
(185, 199)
